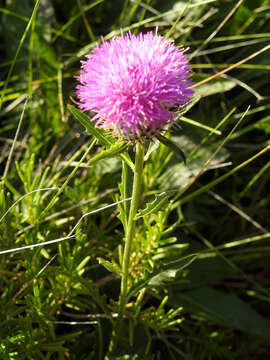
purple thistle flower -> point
(132, 82)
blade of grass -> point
(179, 17)
(214, 33)
(239, 211)
(87, 48)
(30, 66)
(14, 141)
(26, 19)
(86, 23)
(218, 252)
(195, 178)
(74, 18)
(244, 86)
(233, 46)
(233, 38)
(244, 241)
(132, 13)
(18, 51)
(205, 139)
(251, 18)
(222, 178)
(60, 92)
(200, 125)
(232, 66)
(22, 197)
(54, 199)
(222, 66)
(255, 178)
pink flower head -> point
(132, 82)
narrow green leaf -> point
(264, 124)
(223, 177)
(14, 60)
(83, 263)
(172, 146)
(153, 207)
(126, 191)
(170, 251)
(167, 274)
(99, 134)
(115, 149)
(172, 271)
(202, 126)
(109, 266)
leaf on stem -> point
(172, 146)
(153, 207)
(89, 126)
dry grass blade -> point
(18, 51)
(204, 167)
(15, 140)
(214, 33)
(232, 66)
(238, 211)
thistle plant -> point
(133, 84)
(82, 212)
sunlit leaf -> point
(99, 134)
(172, 271)
(153, 207)
(109, 266)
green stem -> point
(130, 230)
(136, 192)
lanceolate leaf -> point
(171, 271)
(166, 274)
(109, 266)
(172, 146)
(126, 191)
(155, 206)
(115, 149)
(99, 134)
(170, 251)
